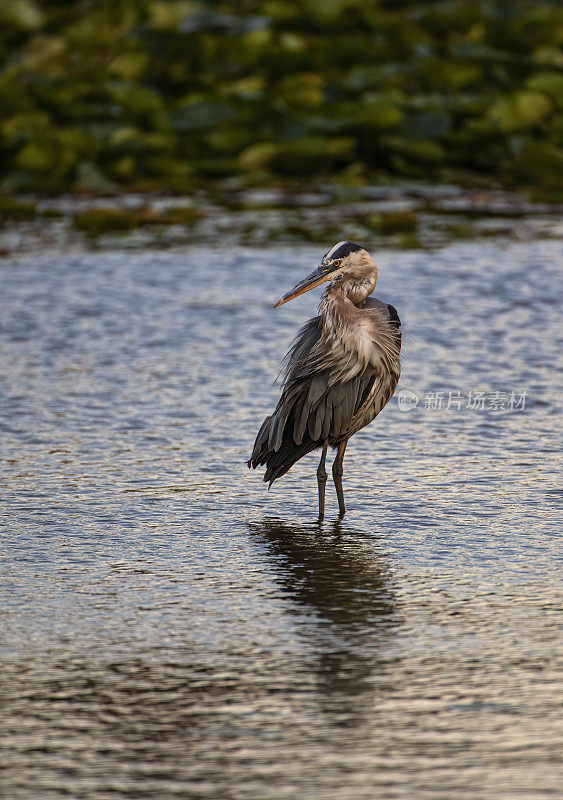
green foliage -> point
(520, 111)
(173, 94)
(15, 210)
(393, 222)
(95, 221)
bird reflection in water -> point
(341, 587)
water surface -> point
(169, 629)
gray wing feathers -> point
(277, 426)
(328, 418)
(301, 417)
(262, 437)
(317, 388)
(297, 363)
(308, 413)
(337, 419)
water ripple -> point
(170, 629)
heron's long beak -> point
(316, 277)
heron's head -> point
(345, 259)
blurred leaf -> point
(393, 222)
(124, 169)
(130, 66)
(182, 215)
(308, 155)
(543, 161)
(230, 138)
(22, 127)
(96, 221)
(43, 53)
(363, 76)
(302, 90)
(142, 102)
(355, 175)
(555, 128)
(166, 15)
(13, 209)
(418, 150)
(198, 115)
(449, 74)
(551, 83)
(426, 125)
(250, 87)
(24, 14)
(549, 56)
(480, 52)
(292, 42)
(37, 156)
(520, 111)
(257, 155)
(379, 114)
(329, 8)
(90, 179)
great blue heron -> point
(341, 370)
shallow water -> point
(169, 629)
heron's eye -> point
(336, 263)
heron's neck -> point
(342, 300)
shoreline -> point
(410, 215)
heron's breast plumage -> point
(363, 341)
(357, 339)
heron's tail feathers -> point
(279, 461)
(309, 412)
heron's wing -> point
(318, 402)
(307, 414)
(312, 408)
(303, 354)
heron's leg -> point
(321, 480)
(337, 472)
